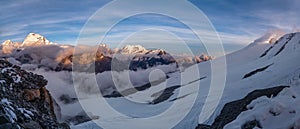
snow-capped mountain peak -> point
(133, 49)
(270, 37)
(33, 39)
(7, 43)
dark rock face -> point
(24, 100)
(81, 118)
(251, 125)
(232, 109)
(256, 71)
(202, 58)
(66, 99)
(150, 59)
(163, 95)
(203, 126)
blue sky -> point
(237, 22)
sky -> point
(237, 22)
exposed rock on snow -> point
(81, 118)
(231, 110)
(256, 71)
(202, 58)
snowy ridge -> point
(239, 64)
(133, 49)
(269, 38)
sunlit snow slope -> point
(258, 66)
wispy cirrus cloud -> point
(253, 17)
(57, 20)
(237, 22)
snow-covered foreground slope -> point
(258, 66)
(280, 112)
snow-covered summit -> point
(33, 39)
(8, 46)
(7, 42)
(270, 37)
(133, 49)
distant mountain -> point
(132, 49)
(33, 39)
(38, 52)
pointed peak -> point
(270, 37)
(34, 39)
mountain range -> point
(36, 51)
(256, 87)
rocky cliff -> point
(24, 100)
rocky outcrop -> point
(232, 109)
(150, 59)
(24, 100)
(202, 58)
